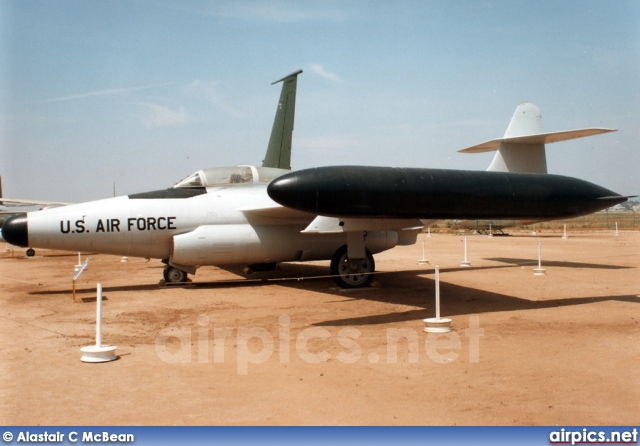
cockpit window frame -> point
(193, 180)
(232, 176)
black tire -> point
(30, 252)
(352, 274)
(174, 275)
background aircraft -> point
(259, 216)
(9, 208)
(489, 226)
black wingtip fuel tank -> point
(388, 192)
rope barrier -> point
(22, 281)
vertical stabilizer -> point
(279, 149)
(522, 149)
(517, 156)
(526, 120)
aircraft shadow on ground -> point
(413, 287)
(308, 274)
(92, 290)
(458, 301)
(416, 287)
(556, 264)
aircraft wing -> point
(406, 228)
(11, 202)
(277, 214)
(332, 225)
(540, 138)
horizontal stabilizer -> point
(522, 147)
(541, 138)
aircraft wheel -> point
(354, 273)
(174, 275)
(31, 252)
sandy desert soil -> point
(559, 349)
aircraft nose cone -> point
(14, 231)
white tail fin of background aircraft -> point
(522, 148)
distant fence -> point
(605, 220)
(627, 220)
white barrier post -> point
(437, 324)
(564, 235)
(79, 271)
(616, 233)
(437, 292)
(423, 261)
(98, 352)
(79, 265)
(465, 262)
(539, 271)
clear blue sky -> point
(144, 92)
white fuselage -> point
(215, 228)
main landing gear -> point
(352, 273)
(348, 273)
(174, 275)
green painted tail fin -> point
(279, 149)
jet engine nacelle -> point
(243, 244)
(217, 245)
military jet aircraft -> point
(259, 216)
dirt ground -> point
(559, 349)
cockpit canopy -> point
(229, 176)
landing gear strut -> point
(352, 273)
(174, 275)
